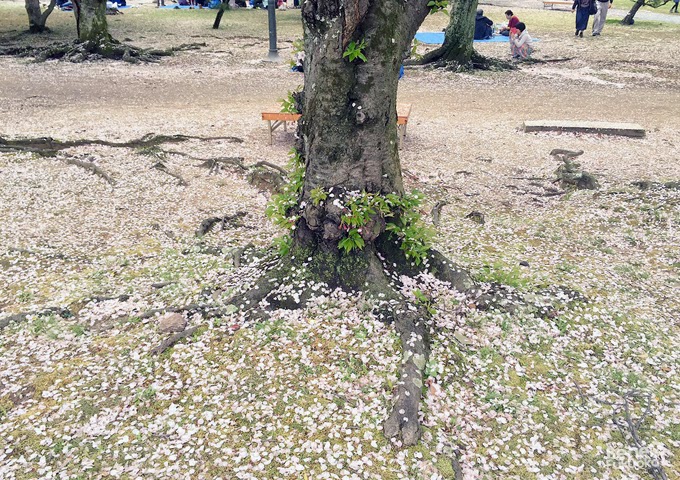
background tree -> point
(37, 18)
(628, 19)
(457, 51)
(353, 225)
(94, 40)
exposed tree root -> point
(437, 58)
(477, 217)
(172, 340)
(214, 165)
(78, 51)
(267, 177)
(532, 60)
(629, 427)
(161, 167)
(370, 271)
(92, 168)
(207, 310)
(437, 211)
(22, 317)
(403, 421)
(209, 223)
(647, 185)
(49, 147)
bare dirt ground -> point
(307, 392)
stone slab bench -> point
(603, 128)
(276, 119)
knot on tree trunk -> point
(328, 216)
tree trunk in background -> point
(223, 6)
(458, 37)
(349, 123)
(628, 19)
(91, 21)
(36, 18)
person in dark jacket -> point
(582, 9)
(483, 26)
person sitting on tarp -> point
(512, 23)
(483, 26)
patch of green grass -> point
(500, 273)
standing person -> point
(582, 9)
(674, 8)
(601, 16)
(512, 23)
(483, 26)
(520, 42)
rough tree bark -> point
(91, 22)
(458, 37)
(37, 18)
(349, 147)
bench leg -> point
(269, 123)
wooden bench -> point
(276, 119)
(552, 3)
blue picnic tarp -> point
(437, 38)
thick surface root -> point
(403, 422)
(438, 59)
(48, 147)
(78, 52)
(364, 272)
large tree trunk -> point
(459, 35)
(36, 18)
(349, 124)
(91, 21)
(348, 154)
